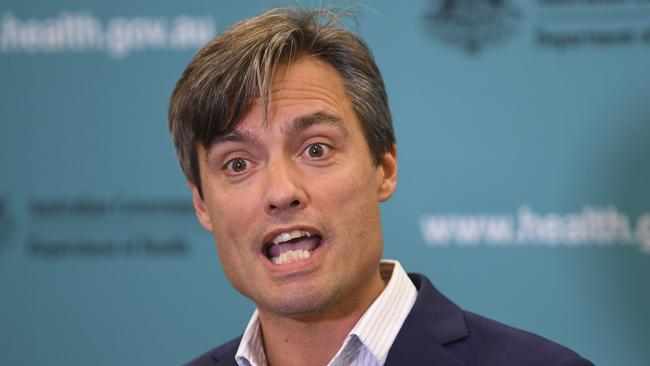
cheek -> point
(233, 264)
(230, 213)
(353, 199)
(355, 185)
(231, 223)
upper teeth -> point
(286, 236)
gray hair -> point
(225, 77)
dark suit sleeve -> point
(203, 360)
(224, 355)
(575, 361)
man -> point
(282, 128)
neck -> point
(314, 339)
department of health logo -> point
(6, 225)
(472, 24)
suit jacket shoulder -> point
(221, 355)
(439, 332)
(504, 345)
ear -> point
(387, 169)
(200, 208)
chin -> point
(300, 304)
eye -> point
(236, 165)
(317, 150)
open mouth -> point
(292, 246)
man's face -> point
(293, 201)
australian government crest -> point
(472, 24)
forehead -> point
(307, 86)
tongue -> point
(301, 243)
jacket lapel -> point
(433, 322)
(225, 356)
(226, 360)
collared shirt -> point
(369, 341)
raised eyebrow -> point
(299, 124)
(235, 136)
(319, 118)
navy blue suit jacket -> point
(438, 332)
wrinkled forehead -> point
(305, 92)
(308, 81)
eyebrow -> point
(319, 118)
(235, 136)
(298, 125)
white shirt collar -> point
(370, 339)
(251, 348)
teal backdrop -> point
(523, 132)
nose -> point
(284, 193)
